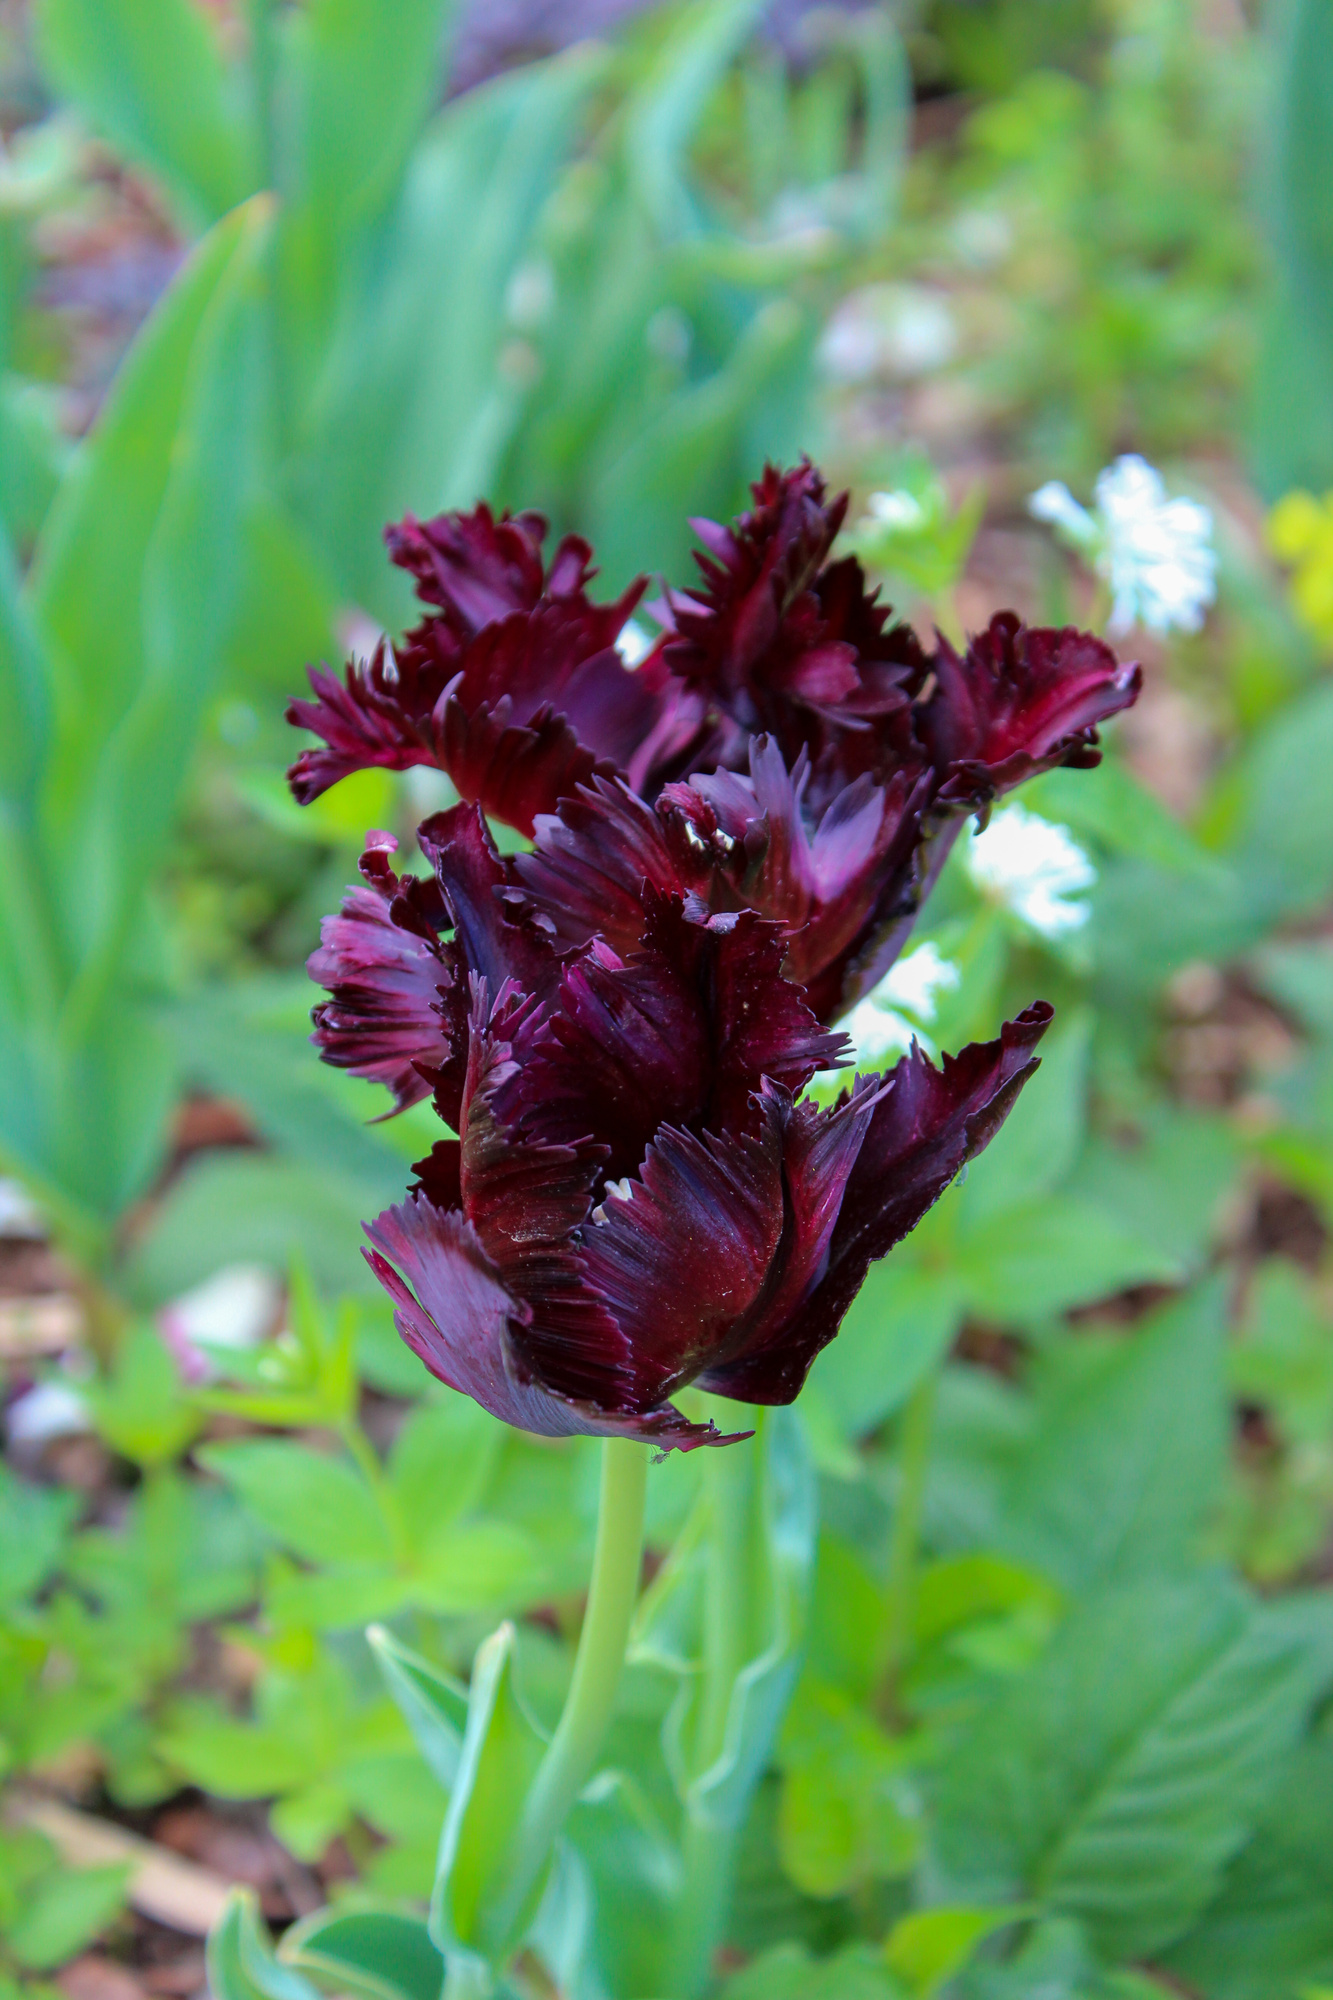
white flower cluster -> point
(1033, 867)
(1156, 553)
(878, 1025)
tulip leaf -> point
(665, 109)
(151, 75)
(500, 1754)
(241, 1964)
(381, 1954)
(426, 401)
(771, 1486)
(432, 1703)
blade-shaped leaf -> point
(500, 1755)
(151, 76)
(434, 1706)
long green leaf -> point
(419, 394)
(87, 583)
(357, 90)
(150, 74)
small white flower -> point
(18, 1217)
(53, 1409)
(899, 510)
(1156, 553)
(634, 643)
(236, 1307)
(879, 1025)
(1032, 866)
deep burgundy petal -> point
(376, 716)
(513, 685)
(473, 566)
(682, 1033)
(388, 987)
(819, 1153)
(782, 639)
(1020, 700)
(836, 882)
(923, 1129)
(454, 1312)
(755, 609)
(592, 861)
(494, 940)
(685, 1258)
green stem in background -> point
(612, 1595)
(709, 1844)
(904, 1548)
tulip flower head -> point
(732, 827)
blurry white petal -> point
(1056, 505)
(916, 979)
(50, 1410)
(1032, 866)
(18, 1217)
(634, 643)
(899, 509)
(236, 1307)
(1156, 553)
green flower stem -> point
(709, 1845)
(612, 1595)
(918, 1422)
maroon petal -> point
(592, 862)
(756, 610)
(680, 1034)
(387, 984)
(837, 883)
(781, 638)
(513, 686)
(494, 940)
(687, 1255)
(1020, 700)
(923, 1129)
(455, 1313)
(819, 1153)
(376, 716)
(473, 566)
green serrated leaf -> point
(1269, 1929)
(63, 1912)
(927, 1948)
(1117, 1779)
(1093, 1498)
(319, 1507)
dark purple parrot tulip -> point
(730, 843)
(638, 1197)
